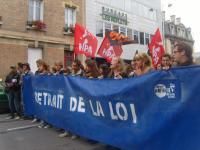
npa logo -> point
(166, 91)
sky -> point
(189, 12)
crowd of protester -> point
(118, 69)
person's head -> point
(142, 60)
(66, 71)
(76, 65)
(129, 69)
(118, 65)
(53, 70)
(26, 67)
(133, 64)
(59, 65)
(20, 67)
(13, 69)
(166, 61)
(91, 68)
(39, 62)
(104, 70)
(182, 53)
(159, 67)
(43, 67)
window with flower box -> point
(70, 19)
(35, 15)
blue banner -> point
(156, 111)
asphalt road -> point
(24, 135)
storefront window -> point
(99, 29)
(147, 38)
(130, 33)
(123, 30)
(107, 27)
(142, 38)
(116, 28)
(136, 36)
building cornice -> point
(31, 37)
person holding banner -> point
(76, 71)
(43, 70)
(142, 64)
(182, 54)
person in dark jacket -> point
(13, 87)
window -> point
(142, 38)
(123, 30)
(35, 10)
(136, 36)
(172, 30)
(183, 33)
(99, 29)
(130, 33)
(147, 38)
(107, 27)
(116, 28)
(179, 32)
(70, 16)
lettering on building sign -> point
(115, 16)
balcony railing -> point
(36, 25)
(68, 30)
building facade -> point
(175, 31)
(33, 29)
(137, 19)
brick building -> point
(23, 38)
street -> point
(24, 135)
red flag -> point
(85, 42)
(156, 49)
(110, 48)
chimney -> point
(173, 18)
(178, 20)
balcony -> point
(36, 25)
(68, 30)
